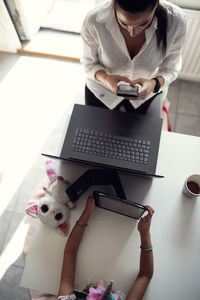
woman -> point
(139, 42)
(99, 291)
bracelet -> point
(146, 249)
(81, 225)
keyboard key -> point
(122, 138)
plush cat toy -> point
(54, 208)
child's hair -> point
(139, 6)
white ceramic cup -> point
(191, 186)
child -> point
(99, 291)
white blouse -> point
(104, 48)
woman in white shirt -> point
(139, 42)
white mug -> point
(191, 186)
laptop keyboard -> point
(113, 146)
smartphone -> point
(118, 205)
(127, 90)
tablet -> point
(118, 205)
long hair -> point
(138, 6)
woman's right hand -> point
(112, 81)
(145, 222)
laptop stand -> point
(95, 177)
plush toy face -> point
(51, 213)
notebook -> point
(110, 139)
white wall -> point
(191, 54)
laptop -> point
(112, 139)
(118, 205)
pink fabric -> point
(50, 161)
(51, 171)
(95, 294)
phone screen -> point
(127, 90)
(120, 206)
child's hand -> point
(90, 205)
(145, 222)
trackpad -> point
(126, 124)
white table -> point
(110, 247)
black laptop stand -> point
(95, 177)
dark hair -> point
(138, 6)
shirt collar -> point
(154, 24)
(105, 12)
(150, 31)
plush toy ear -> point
(63, 228)
(32, 210)
(50, 170)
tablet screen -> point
(120, 206)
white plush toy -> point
(54, 208)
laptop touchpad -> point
(127, 124)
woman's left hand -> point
(147, 87)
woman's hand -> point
(145, 222)
(147, 87)
(110, 80)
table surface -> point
(110, 247)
